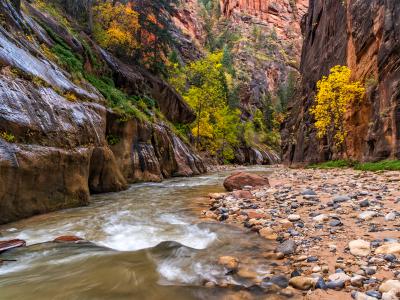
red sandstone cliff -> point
(363, 35)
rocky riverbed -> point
(336, 232)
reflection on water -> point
(148, 243)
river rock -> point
(67, 239)
(294, 218)
(268, 233)
(11, 244)
(391, 248)
(367, 215)
(362, 296)
(302, 282)
(238, 180)
(390, 216)
(391, 295)
(389, 285)
(360, 248)
(342, 198)
(339, 277)
(321, 218)
(287, 247)
(229, 262)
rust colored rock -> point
(68, 239)
(238, 181)
(11, 244)
(363, 35)
(242, 194)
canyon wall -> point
(364, 35)
(58, 140)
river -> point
(147, 242)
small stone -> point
(390, 257)
(374, 294)
(302, 283)
(287, 247)
(391, 295)
(391, 248)
(340, 276)
(389, 285)
(312, 259)
(68, 239)
(321, 284)
(367, 215)
(294, 218)
(280, 280)
(335, 285)
(362, 296)
(390, 216)
(268, 233)
(364, 203)
(335, 223)
(360, 248)
(321, 218)
(339, 199)
(357, 280)
(308, 192)
(229, 262)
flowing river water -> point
(146, 243)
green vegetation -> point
(9, 137)
(333, 164)
(384, 165)
(112, 139)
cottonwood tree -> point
(336, 94)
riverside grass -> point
(384, 165)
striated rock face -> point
(363, 35)
(283, 15)
(59, 151)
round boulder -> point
(238, 180)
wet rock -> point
(11, 244)
(280, 280)
(360, 248)
(229, 262)
(389, 285)
(239, 180)
(67, 239)
(287, 247)
(374, 294)
(302, 282)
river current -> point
(145, 243)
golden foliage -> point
(116, 26)
(335, 95)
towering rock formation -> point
(364, 35)
(283, 15)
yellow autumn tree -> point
(116, 26)
(335, 95)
